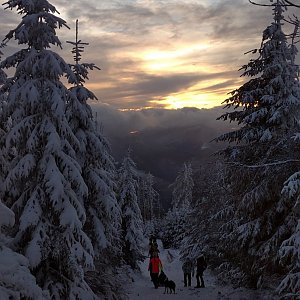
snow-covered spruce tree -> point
(102, 209)
(177, 217)
(145, 196)
(211, 198)
(16, 281)
(141, 195)
(210, 219)
(132, 223)
(289, 252)
(153, 197)
(266, 108)
(149, 202)
(174, 227)
(44, 186)
(3, 128)
(146, 205)
(182, 193)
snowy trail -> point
(143, 289)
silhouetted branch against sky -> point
(276, 2)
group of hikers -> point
(155, 265)
(188, 271)
(188, 267)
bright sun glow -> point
(199, 96)
(176, 60)
(190, 100)
(158, 55)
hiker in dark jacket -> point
(188, 270)
(153, 247)
(201, 266)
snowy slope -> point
(143, 289)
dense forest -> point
(74, 222)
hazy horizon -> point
(161, 140)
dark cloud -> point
(220, 87)
(118, 125)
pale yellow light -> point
(179, 59)
(161, 66)
(171, 54)
(177, 67)
(190, 100)
(200, 95)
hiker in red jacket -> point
(155, 266)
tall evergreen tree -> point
(148, 198)
(3, 127)
(98, 171)
(175, 222)
(44, 185)
(182, 193)
(212, 208)
(174, 227)
(149, 203)
(132, 223)
(266, 108)
(103, 212)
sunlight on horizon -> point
(181, 61)
(188, 77)
(178, 101)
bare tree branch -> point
(288, 3)
(291, 4)
(260, 4)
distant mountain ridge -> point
(162, 140)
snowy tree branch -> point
(277, 163)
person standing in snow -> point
(155, 266)
(153, 247)
(201, 266)
(188, 271)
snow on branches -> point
(44, 185)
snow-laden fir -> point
(44, 184)
(176, 220)
(132, 222)
(98, 171)
(149, 201)
(72, 226)
(259, 217)
(182, 187)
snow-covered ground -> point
(143, 289)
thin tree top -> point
(80, 70)
(78, 46)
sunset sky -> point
(161, 53)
